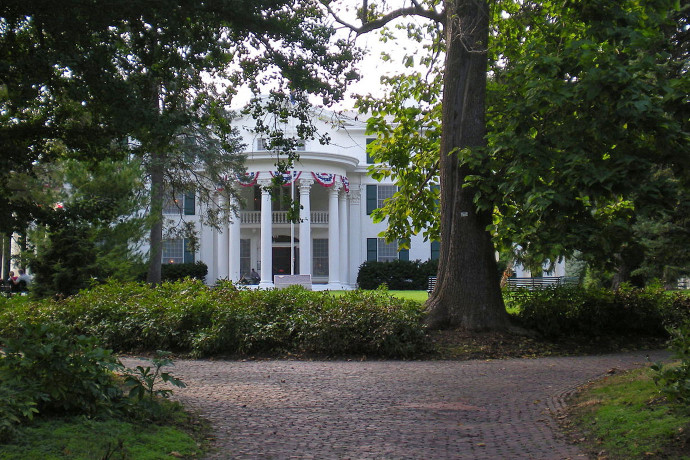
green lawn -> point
(417, 296)
(625, 416)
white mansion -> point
(335, 233)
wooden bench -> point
(283, 281)
(431, 284)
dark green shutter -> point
(189, 204)
(188, 255)
(435, 250)
(372, 249)
(372, 198)
(369, 159)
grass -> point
(625, 417)
(180, 436)
(417, 296)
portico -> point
(264, 238)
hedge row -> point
(566, 311)
(396, 275)
(189, 317)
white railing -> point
(280, 217)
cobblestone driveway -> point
(390, 409)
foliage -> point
(45, 369)
(189, 317)
(595, 312)
(674, 379)
(622, 416)
(143, 382)
(398, 274)
(587, 129)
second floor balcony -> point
(280, 217)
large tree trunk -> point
(467, 293)
(156, 172)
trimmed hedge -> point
(396, 275)
(189, 317)
(569, 310)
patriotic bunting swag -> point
(248, 179)
(288, 177)
(325, 179)
(346, 184)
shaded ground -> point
(460, 345)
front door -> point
(281, 261)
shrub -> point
(62, 372)
(397, 275)
(569, 310)
(189, 317)
(177, 272)
(674, 379)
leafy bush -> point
(61, 372)
(397, 275)
(674, 379)
(568, 310)
(189, 317)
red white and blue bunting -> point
(325, 179)
(248, 179)
(288, 177)
(346, 184)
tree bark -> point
(156, 173)
(467, 293)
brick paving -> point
(284, 409)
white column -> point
(355, 236)
(342, 215)
(222, 256)
(333, 236)
(234, 245)
(305, 226)
(266, 235)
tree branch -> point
(367, 26)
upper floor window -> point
(377, 194)
(180, 203)
(263, 144)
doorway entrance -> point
(281, 261)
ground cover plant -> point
(64, 396)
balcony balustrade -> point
(280, 217)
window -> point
(263, 144)
(245, 256)
(180, 203)
(379, 250)
(377, 194)
(176, 251)
(320, 257)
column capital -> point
(335, 188)
(263, 183)
(305, 184)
